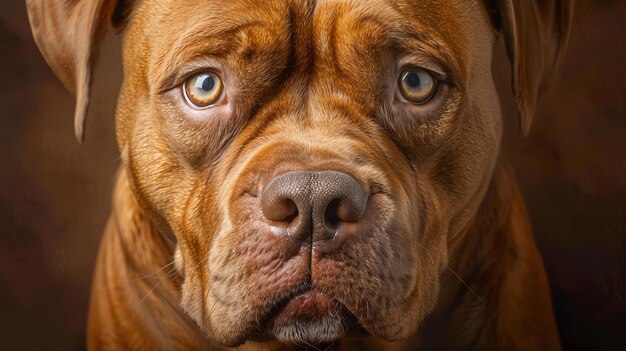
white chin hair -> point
(329, 328)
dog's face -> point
(311, 158)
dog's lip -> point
(306, 302)
(310, 304)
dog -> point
(313, 174)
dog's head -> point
(311, 158)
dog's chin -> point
(325, 329)
(311, 318)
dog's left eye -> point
(417, 85)
(202, 90)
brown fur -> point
(445, 257)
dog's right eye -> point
(417, 85)
(202, 90)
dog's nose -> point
(313, 205)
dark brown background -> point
(54, 193)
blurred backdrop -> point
(55, 193)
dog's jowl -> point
(314, 174)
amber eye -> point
(417, 85)
(202, 90)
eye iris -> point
(202, 90)
(417, 85)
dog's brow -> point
(408, 37)
(192, 47)
(206, 40)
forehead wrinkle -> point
(215, 30)
(396, 27)
(397, 33)
(412, 36)
(214, 42)
(441, 25)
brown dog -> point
(319, 173)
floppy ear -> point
(68, 33)
(535, 33)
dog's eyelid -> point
(180, 74)
(435, 69)
(173, 81)
(429, 64)
(168, 84)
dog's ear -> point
(68, 33)
(535, 33)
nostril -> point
(330, 215)
(281, 210)
(291, 211)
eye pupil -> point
(208, 83)
(412, 79)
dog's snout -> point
(313, 205)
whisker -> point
(152, 289)
(140, 277)
(462, 281)
(432, 259)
